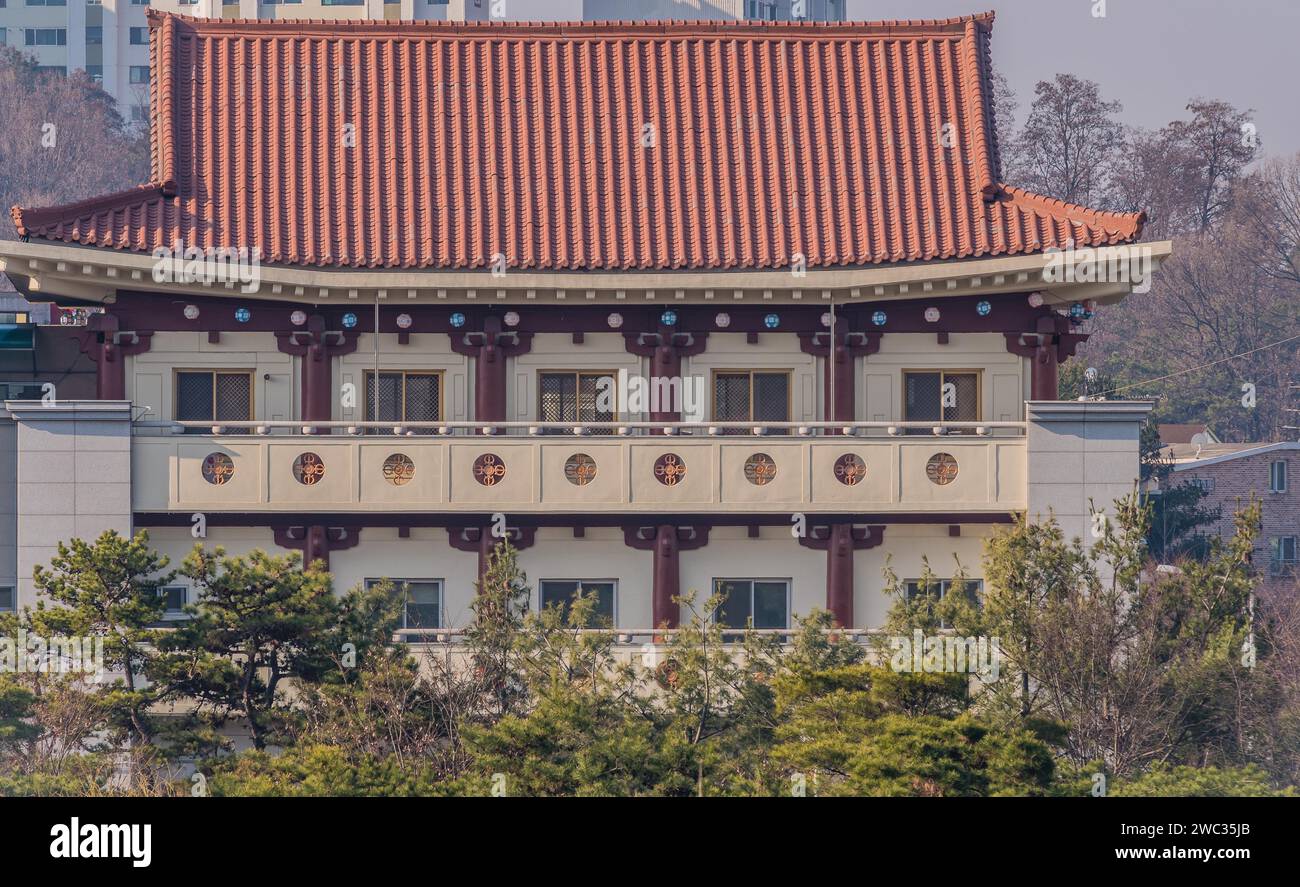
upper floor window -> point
(343, 2)
(139, 36)
(47, 36)
(422, 607)
(1277, 477)
(561, 593)
(751, 395)
(7, 599)
(47, 2)
(95, 73)
(214, 396)
(1204, 484)
(938, 589)
(139, 74)
(402, 396)
(94, 35)
(1284, 549)
(941, 396)
(763, 602)
(574, 397)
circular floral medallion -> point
(850, 469)
(580, 469)
(489, 469)
(941, 469)
(670, 468)
(218, 469)
(760, 469)
(399, 469)
(308, 469)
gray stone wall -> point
(73, 470)
(1083, 455)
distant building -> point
(1192, 433)
(109, 39)
(1230, 474)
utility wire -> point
(1196, 368)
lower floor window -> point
(422, 607)
(176, 598)
(1284, 550)
(756, 603)
(561, 593)
(7, 602)
(938, 589)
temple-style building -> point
(673, 305)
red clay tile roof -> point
(762, 142)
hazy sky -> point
(1152, 55)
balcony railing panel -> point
(863, 467)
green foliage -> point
(1107, 666)
(1249, 781)
(259, 621)
(107, 589)
(315, 771)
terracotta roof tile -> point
(588, 146)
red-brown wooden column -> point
(490, 350)
(108, 347)
(840, 541)
(317, 346)
(665, 348)
(667, 542)
(481, 541)
(1048, 346)
(848, 346)
(316, 541)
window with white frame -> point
(175, 596)
(756, 603)
(1277, 477)
(1204, 484)
(422, 602)
(1283, 549)
(561, 593)
(938, 589)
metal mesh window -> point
(941, 397)
(573, 397)
(404, 397)
(731, 397)
(209, 396)
(233, 399)
(771, 398)
(751, 396)
(194, 397)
